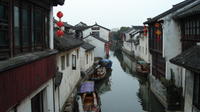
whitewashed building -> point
(142, 49)
(131, 41)
(166, 42)
(189, 57)
(68, 63)
(98, 36)
(87, 56)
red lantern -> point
(59, 33)
(59, 14)
(60, 24)
(145, 30)
(157, 25)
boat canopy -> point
(106, 61)
(87, 87)
(142, 62)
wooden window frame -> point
(40, 96)
(11, 49)
(190, 31)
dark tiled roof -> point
(173, 9)
(87, 46)
(68, 41)
(101, 39)
(81, 27)
(101, 26)
(190, 59)
(25, 59)
(67, 25)
(58, 2)
(138, 27)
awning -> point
(87, 87)
(189, 59)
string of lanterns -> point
(157, 31)
(60, 24)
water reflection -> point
(125, 91)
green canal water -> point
(124, 90)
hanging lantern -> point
(60, 24)
(59, 33)
(157, 25)
(59, 14)
(158, 32)
(145, 30)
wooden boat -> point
(99, 73)
(90, 101)
(106, 63)
(142, 68)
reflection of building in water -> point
(129, 63)
(147, 99)
(143, 95)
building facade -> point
(97, 36)
(165, 42)
(87, 56)
(27, 58)
(68, 64)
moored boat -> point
(99, 73)
(106, 63)
(90, 101)
(142, 68)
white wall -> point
(70, 77)
(25, 105)
(143, 50)
(172, 47)
(104, 34)
(99, 46)
(83, 63)
(189, 92)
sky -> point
(112, 13)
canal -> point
(124, 90)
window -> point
(86, 58)
(95, 34)
(26, 27)
(155, 41)
(73, 62)
(77, 52)
(62, 62)
(37, 103)
(67, 60)
(95, 28)
(91, 56)
(30, 24)
(190, 31)
(4, 41)
(196, 98)
(158, 65)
